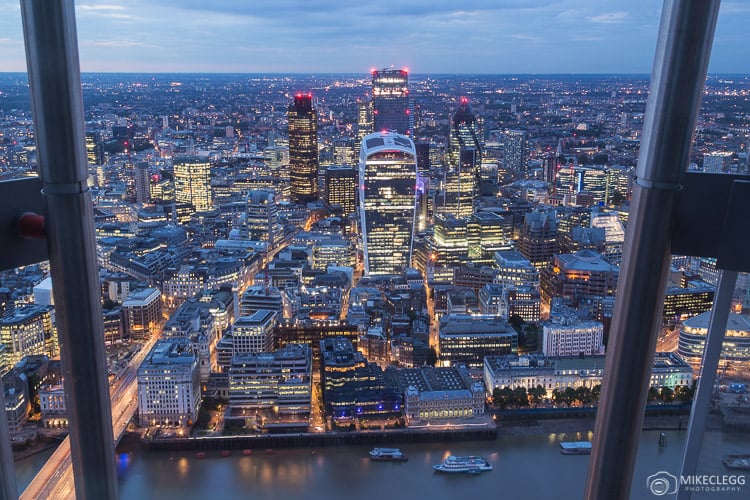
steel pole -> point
(8, 488)
(677, 81)
(57, 105)
(711, 353)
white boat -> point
(387, 455)
(575, 448)
(467, 465)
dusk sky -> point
(427, 36)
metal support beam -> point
(677, 81)
(8, 488)
(54, 76)
(717, 326)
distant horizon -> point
(435, 37)
(337, 73)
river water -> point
(525, 467)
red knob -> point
(31, 225)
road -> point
(55, 479)
(667, 341)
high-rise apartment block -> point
(303, 149)
(142, 183)
(515, 151)
(388, 177)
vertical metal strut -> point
(711, 353)
(677, 81)
(54, 76)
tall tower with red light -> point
(390, 101)
(303, 149)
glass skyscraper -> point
(390, 101)
(303, 149)
(192, 182)
(388, 178)
(464, 162)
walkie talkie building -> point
(388, 179)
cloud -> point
(609, 18)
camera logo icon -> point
(662, 483)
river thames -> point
(525, 466)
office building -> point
(560, 373)
(94, 148)
(354, 388)
(303, 149)
(461, 187)
(192, 182)
(280, 380)
(28, 329)
(388, 176)
(681, 303)
(537, 239)
(251, 334)
(141, 313)
(341, 188)
(569, 336)
(438, 394)
(255, 298)
(514, 269)
(262, 217)
(735, 351)
(364, 119)
(464, 162)
(169, 390)
(299, 332)
(583, 273)
(390, 101)
(468, 339)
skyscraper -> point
(388, 177)
(303, 149)
(341, 188)
(364, 119)
(262, 216)
(465, 132)
(142, 183)
(390, 101)
(464, 162)
(192, 182)
(515, 151)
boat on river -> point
(387, 455)
(575, 447)
(466, 465)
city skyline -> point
(514, 37)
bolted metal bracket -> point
(19, 247)
(710, 219)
